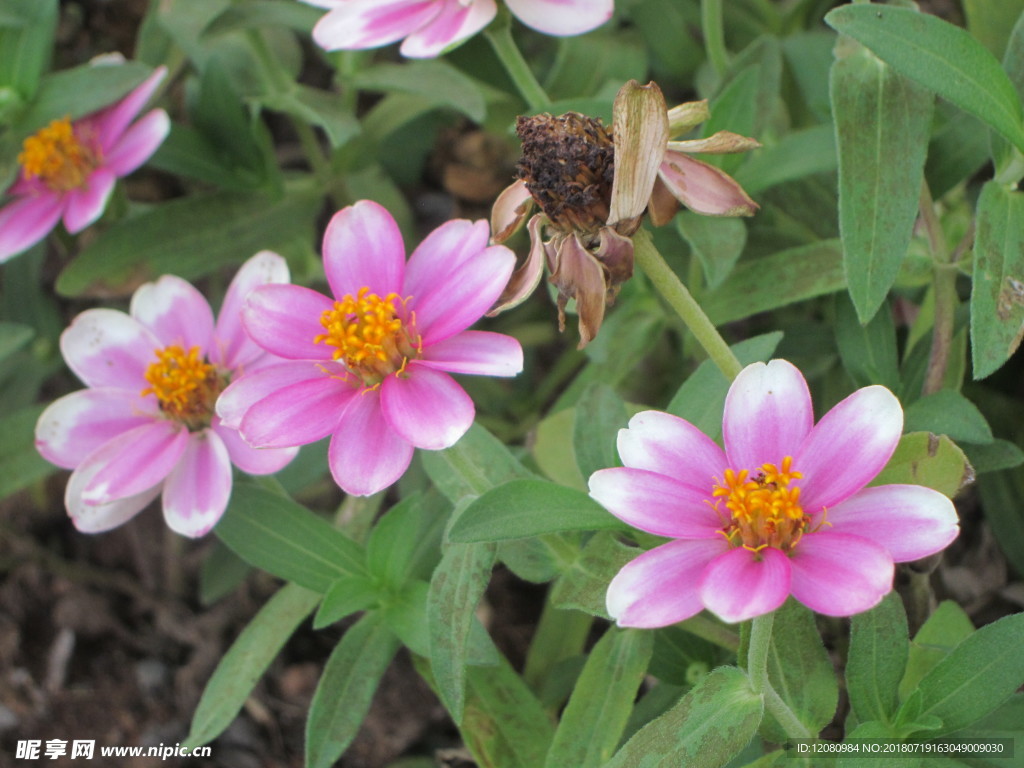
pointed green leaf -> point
(882, 121)
(1001, 494)
(990, 23)
(879, 645)
(20, 463)
(708, 726)
(286, 539)
(997, 296)
(593, 720)
(869, 351)
(26, 44)
(346, 596)
(474, 465)
(405, 543)
(346, 688)
(584, 584)
(922, 458)
(941, 57)
(436, 81)
(944, 630)
(599, 415)
(247, 659)
(795, 155)
(948, 412)
(716, 241)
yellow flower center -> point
(763, 510)
(59, 156)
(185, 384)
(372, 336)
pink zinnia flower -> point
(146, 425)
(68, 169)
(368, 367)
(429, 27)
(783, 510)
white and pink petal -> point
(740, 584)
(838, 574)
(26, 221)
(661, 442)
(233, 347)
(244, 393)
(655, 503)
(197, 490)
(175, 311)
(359, 24)
(441, 255)
(253, 461)
(426, 408)
(456, 22)
(96, 518)
(365, 454)
(137, 460)
(483, 353)
(107, 348)
(138, 143)
(298, 414)
(84, 206)
(363, 248)
(562, 17)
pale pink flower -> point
(68, 169)
(429, 27)
(783, 510)
(146, 425)
(369, 367)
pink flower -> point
(368, 367)
(783, 510)
(429, 27)
(68, 169)
(146, 425)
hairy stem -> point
(499, 34)
(714, 35)
(757, 669)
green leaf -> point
(526, 507)
(189, 237)
(958, 148)
(264, 13)
(455, 589)
(939, 56)
(346, 688)
(701, 398)
(405, 542)
(584, 584)
(346, 596)
(247, 659)
(26, 44)
(868, 351)
(1001, 494)
(997, 296)
(943, 631)
(948, 412)
(435, 81)
(994, 456)
(223, 571)
(474, 465)
(882, 122)
(593, 720)
(990, 23)
(706, 728)
(977, 676)
(717, 242)
(800, 670)
(795, 156)
(877, 659)
(554, 449)
(13, 336)
(317, 107)
(922, 458)
(784, 278)
(20, 463)
(286, 539)
(599, 414)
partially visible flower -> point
(430, 27)
(145, 425)
(370, 367)
(783, 510)
(68, 169)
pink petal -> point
(363, 248)
(107, 348)
(768, 413)
(77, 424)
(426, 407)
(479, 352)
(910, 521)
(142, 458)
(111, 122)
(655, 503)
(25, 222)
(358, 24)
(253, 461)
(96, 518)
(138, 143)
(366, 455)
(466, 296)
(455, 23)
(245, 392)
(740, 585)
(175, 312)
(197, 490)
(441, 255)
(510, 210)
(838, 574)
(284, 320)
(671, 446)
(299, 413)
(848, 447)
(704, 188)
(562, 17)
(660, 586)
(233, 347)
(85, 206)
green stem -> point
(499, 34)
(944, 287)
(561, 634)
(757, 669)
(679, 298)
(712, 631)
(714, 35)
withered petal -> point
(579, 275)
(683, 117)
(721, 143)
(525, 279)
(640, 133)
(510, 211)
(703, 188)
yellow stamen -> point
(763, 511)
(185, 384)
(59, 156)
(371, 335)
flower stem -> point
(499, 34)
(757, 669)
(676, 294)
(714, 35)
(944, 287)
